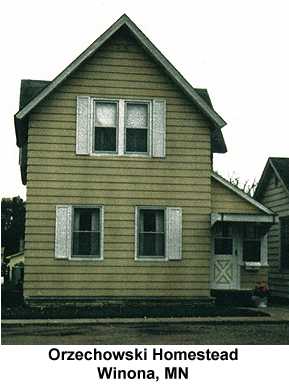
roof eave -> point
(242, 194)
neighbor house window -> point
(105, 126)
(136, 127)
(223, 242)
(252, 242)
(284, 242)
(86, 236)
(151, 233)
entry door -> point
(224, 262)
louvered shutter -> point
(83, 125)
(159, 128)
(174, 233)
(63, 230)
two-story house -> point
(273, 190)
(122, 200)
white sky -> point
(236, 49)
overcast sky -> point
(238, 50)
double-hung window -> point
(86, 233)
(79, 232)
(105, 126)
(120, 127)
(151, 233)
(158, 233)
(136, 127)
(284, 242)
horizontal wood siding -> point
(57, 176)
(249, 279)
(277, 199)
(226, 201)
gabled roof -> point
(199, 98)
(280, 167)
(241, 193)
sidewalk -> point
(278, 315)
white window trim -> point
(92, 259)
(149, 128)
(92, 129)
(120, 134)
(142, 258)
(263, 253)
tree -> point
(246, 186)
(12, 224)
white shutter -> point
(83, 125)
(174, 233)
(63, 230)
(159, 128)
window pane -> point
(252, 250)
(105, 114)
(223, 230)
(223, 246)
(136, 140)
(151, 220)
(86, 244)
(86, 232)
(105, 139)
(136, 115)
(151, 244)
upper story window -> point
(120, 127)
(284, 242)
(105, 126)
(136, 127)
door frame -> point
(236, 258)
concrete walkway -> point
(278, 315)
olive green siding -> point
(56, 175)
(276, 198)
(249, 279)
(226, 201)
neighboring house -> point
(16, 267)
(122, 201)
(273, 190)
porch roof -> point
(242, 218)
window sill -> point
(151, 259)
(85, 259)
(107, 154)
(253, 265)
